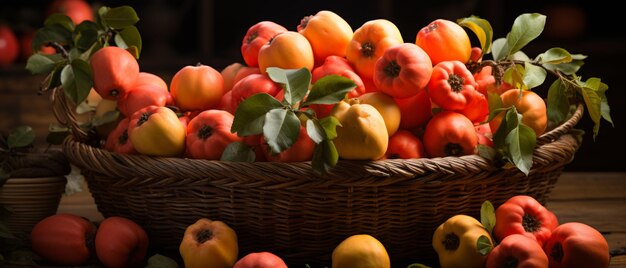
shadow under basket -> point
(289, 210)
(30, 200)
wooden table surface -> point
(596, 199)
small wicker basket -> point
(287, 209)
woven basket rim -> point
(124, 166)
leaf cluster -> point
(279, 121)
(514, 142)
(69, 67)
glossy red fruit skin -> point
(63, 239)
(120, 242)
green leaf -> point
(578, 56)
(514, 76)
(238, 152)
(557, 104)
(60, 19)
(593, 92)
(315, 130)
(281, 129)
(325, 157)
(329, 89)
(55, 76)
(554, 55)
(526, 28)
(499, 49)
(519, 55)
(495, 105)
(509, 121)
(39, 63)
(160, 261)
(250, 114)
(522, 140)
(77, 80)
(487, 152)
(296, 82)
(481, 28)
(102, 11)
(86, 35)
(568, 68)
(484, 246)
(533, 75)
(488, 216)
(49, 34)
(330, 124)
(129, 37)
(21, 136)
(120, 17)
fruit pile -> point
(323, 92)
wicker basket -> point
(30, 200)
(287, 209)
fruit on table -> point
(328, 33)
(360, 250)
(450, 134)
(208, 134)
(77, 10)
(451, 85)
(362, 134)
(9, 47)
(575, 244)
(120, 242)
(530, 105)
(114, 70)
(456, 240)
(197, 88)
(157, 131)
(444, 40)
(386, 106)
(517, 251)
(524, 215)
(369, 42)
(287, 50)
(63, 239)
(209, 244)
(260, 260)
(257, 36)
(403, 71)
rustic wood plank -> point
(589, 185)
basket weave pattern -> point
(287, 209)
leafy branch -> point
(279, 121)
(515, 141)
(75, 44)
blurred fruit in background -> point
(77, 10)
(9, 47)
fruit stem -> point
(60, 49)
(456, 82)
(392, 69)
(367, 49)
(204, 235)
(530, 223)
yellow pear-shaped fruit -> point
(362, 134)
(360, 251)
(386, 106)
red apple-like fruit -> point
(9, 47)
(121, 242)
(77, 10)
(260, 260)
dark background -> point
(178, 33)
